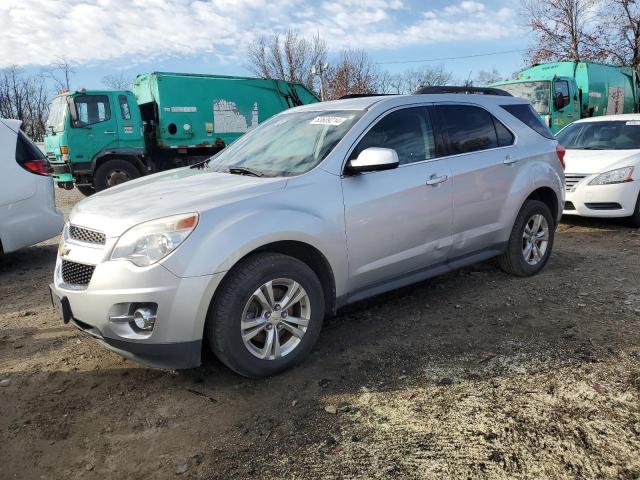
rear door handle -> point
(509, 160)
(436, 180)
(109, 132)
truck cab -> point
(556, 99)
(87, 126)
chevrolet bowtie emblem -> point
(64, 250)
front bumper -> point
(117, 287)
(605, 201)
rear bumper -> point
(604, 201)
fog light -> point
(144, 318)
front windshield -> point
(288, 144)
(605, 135)
(57, 114)
(538, 93)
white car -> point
(27, 206)
(603, 167)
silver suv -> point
(320, 206)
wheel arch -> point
(132, 155)
(549, 197)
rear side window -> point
(467, 129)
(527, 115)
(505, 137)
(26, 151)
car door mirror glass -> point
(374, 159)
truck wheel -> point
(267, 315)
(86, 190)
(114, 172)
(531, 240)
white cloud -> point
(35, 32)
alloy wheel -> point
(535, 239)
(275, 319)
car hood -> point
(598, 161)
(184, 190)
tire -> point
(235, 301)
(634, 220)
(513, 260)
(114, 172)
(86, 190)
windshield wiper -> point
(244, 171)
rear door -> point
(484, 164)
(398, 222)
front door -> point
(398, 222)
(94, 128)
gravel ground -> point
(472, 374)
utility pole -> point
(319, 70)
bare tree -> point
(353, 73)
(26, 98)
(624, 30)
(118, 81)
(289, 57)
(60, 72)
(564, 30)
(487, 77)
(409, 80)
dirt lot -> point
(473, 374)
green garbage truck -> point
(99, 138)
(563, 92)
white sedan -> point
(27, 209)
(603, 167)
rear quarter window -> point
(527, 115)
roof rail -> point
(466, 90)
(363, 95)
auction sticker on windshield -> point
(327, 120)
(633, 123)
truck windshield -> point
(605, 135)
(538, 93)
(286, 145)
(57, 114)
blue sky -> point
(211, 36)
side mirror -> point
(374, 159)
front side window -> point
(125, 114)
(288, 144)
(406, 131)
(611, 135)
(91, 109)
(467, 128)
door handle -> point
(109, 132)
(509, 160)
(436, 180)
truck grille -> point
(88, 236)
(76, 273)
(572, 179)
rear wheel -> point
(267, 315)
(114, 172)
(531, 240)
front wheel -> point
(114, 172)
(634, 220)
(531, 240)
(267, 315)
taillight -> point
(560, 151)
(38, 166)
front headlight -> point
(619, 175)
(149, 242)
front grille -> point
(572, 179)
(569, 206)
(86, 235)
(76, 273)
